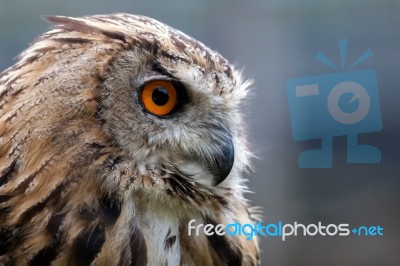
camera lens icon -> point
(337, 104)
(358, 92)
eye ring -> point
(159, 97)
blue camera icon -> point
(337, 104)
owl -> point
(116, 131)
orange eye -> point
(159, 97)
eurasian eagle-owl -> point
(115, 132)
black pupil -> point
(160, 96)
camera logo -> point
(337, 104)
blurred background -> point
(275, 41)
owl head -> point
(122, 97)
(106, 118)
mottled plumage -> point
(87, 176)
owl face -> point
(198, 134)
(196, 137)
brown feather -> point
(87, 177)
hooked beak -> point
(220, 163)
